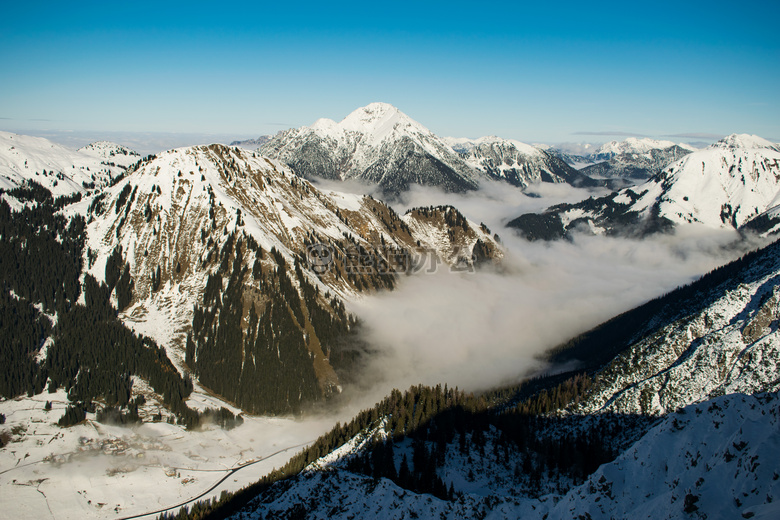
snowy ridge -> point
(24, 158)
(634, 145)
(376, 143)
(725, 185)
(735, 141)
(111, 153)
(464, 144)
(519, 164)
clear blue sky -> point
(539, 73)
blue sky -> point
(569, 71)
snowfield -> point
(60, 170)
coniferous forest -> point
(89, 352)
(256, 351)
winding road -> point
(230, 472)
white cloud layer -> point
(482, 330)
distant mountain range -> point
(252, 144)
(629, 161)
(636, 166)
(729, 184)
(633, 145)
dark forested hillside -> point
(48, 336)
(256, 339)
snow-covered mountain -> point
(634, 145)
(377, 144)
(517, 163)
(112, 153)
(56, 168)
(192, 216)
(723, 186)
(637, 166)
(252, 144)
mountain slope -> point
(58, 169)
(723, 186)
(637, 165)
(717, 336)
(376, 143)
(714, 459)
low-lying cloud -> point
(482, 330)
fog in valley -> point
(492, 327)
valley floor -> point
(93, 470)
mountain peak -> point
(374, 118)
(377, 107)
(745, 141)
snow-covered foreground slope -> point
(56, 168)
(376, 144)
(723, 186)
(716, 459)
